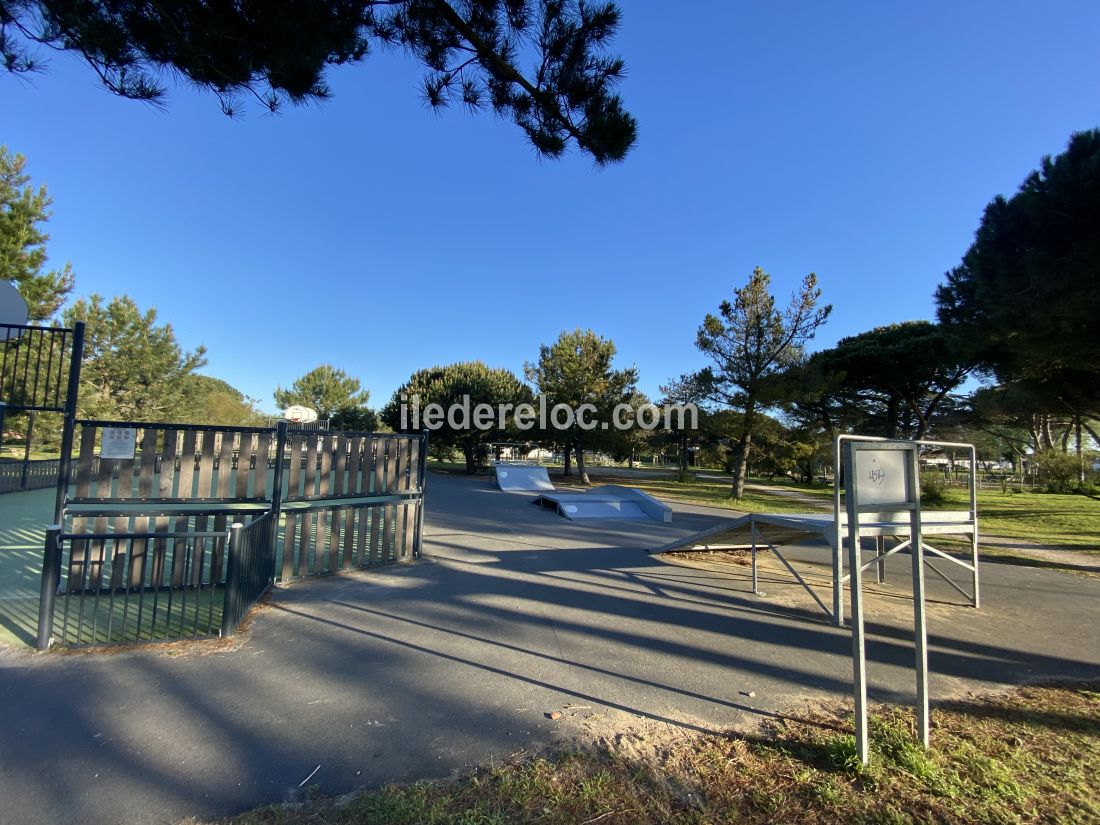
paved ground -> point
(426, 669)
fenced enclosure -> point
(19, 475)
(182, 533)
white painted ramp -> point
(521, 478)
(608, 501)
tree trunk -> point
(1080, 454)
(582, 471)
(892, 416)
(567, 462)
(471, 461)
(741, 464)
(630, 461)
(741, 452)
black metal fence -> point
(251, 570)
(28, 475)
(34, 366)
(177, 581)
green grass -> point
(1027, 757)
(717, 494)
(16, 451)
(1068, 520)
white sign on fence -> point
(880, 476)
(118, 442)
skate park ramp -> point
(607, 501)
(521, 478)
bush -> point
(1056, 471)
(933, 488)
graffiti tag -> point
(877, 476)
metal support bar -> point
(277, 491)
(944, 576)
(801, 581)
(838, 574)
(880, 558)
(422, 484)
(920, 618)
(948, 557)
(755, 578)
(69, 422)
(859, 653)
(27, 448)
(51, 578)
(232, 580)
(875, 560)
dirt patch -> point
(741, 557)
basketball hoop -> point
(13, 310)
(298, 414)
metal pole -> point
(838, 543)
(880, 551)
(64, 465)
(755, 579)
(920, 619)
(277, 493)
(232, 581)
(422, 479)
(3, 409)
(859, 652)
(27, 448)
(51, 578)
(974, 536)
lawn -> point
(1069, 520)
(1028, 756)
(714, 492)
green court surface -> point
(23, 521)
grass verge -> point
(1028, 756)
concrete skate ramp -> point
(608, 501)
(521, 478)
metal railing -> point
(251, 569)
(34, 366)
(145, 586)
(20, 475)
(124, 587)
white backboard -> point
(13, 309)
(299, 414)
(880, 476)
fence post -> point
(277, 494)
(27, 449)
(232, 581)
(422, 479)
(64, 468)
(51, 577)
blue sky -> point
(859, 141)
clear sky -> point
(860, 141)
